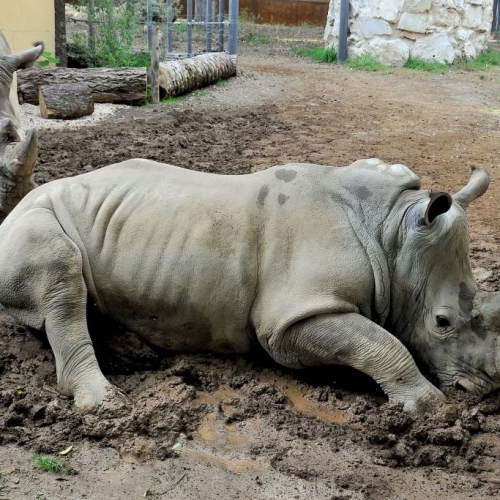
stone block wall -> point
(391, 30)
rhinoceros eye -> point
(442, 321)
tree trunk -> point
(154, 69)
(113, 85)
(179, 77)
(65, 101)
(60, 25)
(200, 10)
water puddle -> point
(304, 405)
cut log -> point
(112, 85)
(65, 101)
(186, 75)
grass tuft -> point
(319, 54)
(365, 62)
(422, 65)
(170, 100)
(221, 83)
(51, 465)
(258, 40)
(488, 59)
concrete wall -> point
(391, 30)
(26, 21)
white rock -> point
(435, 47)
(463, 34)
(446, 17)
(469, 51)
(389, 52)
(416, 5)
(473, 17)
(385, 9)
(418, 23)
(368, 27)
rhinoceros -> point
(319, 265)
(18, 150)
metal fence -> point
(496, 17)
(185, 34)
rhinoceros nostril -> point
(459, 386)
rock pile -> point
(392, 30)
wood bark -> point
(65, 101)
(186, 75)
(154, 69)
(113, 85)
(60, 26)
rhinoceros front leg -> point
(352, 340)
(42, 284)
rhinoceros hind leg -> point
(42, 284)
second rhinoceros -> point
(355, 266)
(18, 150)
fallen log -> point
(111, 85)
(186, 75)
(65, 101)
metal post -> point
(343, 29)
(189, 20)
(150, 23)
(170, 26)
(494, 25)
(208, 21)
(220, 43)
(234, 7)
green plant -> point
(423, 65)
(51, 465)
(488, 59)
(150, 492)
(221, 83)
(170, 100)
(111, 33)
(319, 54)
(198, 93)
(47, 58)
(365, 62)
(257, 40)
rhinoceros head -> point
(437, 310)
(18, 150)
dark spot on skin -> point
(362, 192)
(282, 198)
(285, 175)
(477, 326)
(465, 298)
(263, 192)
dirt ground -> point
(242, 427)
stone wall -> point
(392, 30)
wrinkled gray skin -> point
(320, 265)
(18, 151)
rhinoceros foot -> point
(420, 398)
(99, 393)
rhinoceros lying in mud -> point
(355, 266)
(18, 151)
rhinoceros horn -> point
(20, 157)
(477, 186)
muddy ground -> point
(206, 426)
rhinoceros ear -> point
(439, 204)
(27, 58)
(476, 187)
